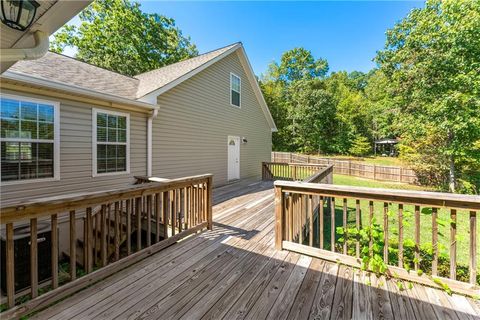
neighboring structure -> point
(68, 126)
(386, 147)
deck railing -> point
(297, 172)
(157, 214)
(423, 234)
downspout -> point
(40, 49)
(152, 116)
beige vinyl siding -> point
(76, 155)
(195, 119)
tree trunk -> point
(452, 179)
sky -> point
(346, 33)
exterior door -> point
(233, 158)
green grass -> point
(341, 179)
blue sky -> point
(346, 33)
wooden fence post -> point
(278, 218)
(349, 167)
(374, 172)
(401, 173)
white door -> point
(233, 158)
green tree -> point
(295, 65)
(117, 35)
(432, 61)
(360, 146)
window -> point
(111, 148)
(29, 139)
(235, 87)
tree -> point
(432, 62)
(117, 35)
(298, 64)
(360, 146)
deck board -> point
(234, 272)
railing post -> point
(209, 203)
(279, 223)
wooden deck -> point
(234, 272)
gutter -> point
(40, 49)
(152, 116)
(17, 76)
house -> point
(68, 126)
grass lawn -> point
(463, 228)
(341, 179)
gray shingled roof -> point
(69, 71)
(60, 68)
(156, 79)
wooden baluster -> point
(129, 205)
(417, 237)
(138, 213)
(473, 247)
(103, 235)
(357, 225)
(370, 220)
(158, 206)
(300, 214)
(54, 248)
(400, 235)
(34, 258)
(117, 231)
(434, 241)
(173, 211)
(185, 208)
(85, 237)
(165, 214)
(453, 244)
(344, 226)
(310, 217)
(89, 235)
(109, 224)
(320, 227)
(120, 219)
(10, 266)
(95, 229)
(385, 232)
(290, 217)
(149, 220)
(332, 224)
(73, 246)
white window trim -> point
(56, 139)
(94, 142)
(239, 93)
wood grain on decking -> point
(234, 272)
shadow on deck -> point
(234, 272)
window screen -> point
(235, 86)
(111, 143)
(27, 139)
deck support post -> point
(279, 222)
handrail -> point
(157, 213)
(42, 207)
(291, 171)
(320, 175)
(437, 199)
(304, 210)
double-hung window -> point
(30, 135)
(235, 88)
(111, 145)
